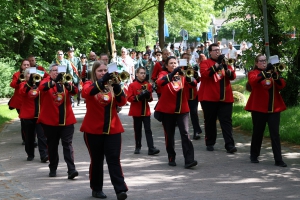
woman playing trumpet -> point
(57, 119)
(174, 107)
(102, 129)
(16, 100)
(265, 104)
(29, 113)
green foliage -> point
(7, 69)
(6, 115)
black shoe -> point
(280, 164)
(231, 149)
(254, 160)
(210, 148)
(99, 194)
(137, 151)
(153, 151)
(30, 158)
(72, 174)
(196, 136)
(44, 160)
(52, 173)
(23, 143)
(192, 164)
(172, 163)
(121, 196)
(35, 144)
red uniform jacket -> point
(139, 107)
(212, 89)
(56, 107)
(16, 99)
(173, 94)
(262, 99)
(156, 70)
(30, 108)
(101, 110)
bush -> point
(238, 97)
(7, 69)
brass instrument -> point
(280, 67)
(22, 77)
(228, 61)
(67, 78)
(144, 87)
(188, 71)
(36, 78)
(119, 77)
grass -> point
(6, 115)
(289, 126)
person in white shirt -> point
(232, 52)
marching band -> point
(44, 102)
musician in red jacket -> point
(216, 98)
(139, 95)
(192, 96)
(29, 113)
(158, 68)
(174, 108)
(16, 100)
(32, 61)
(57, 119)
(265, 104)
(102, 129)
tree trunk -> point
(161, 17)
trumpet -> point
(22, 77)
(280, 67)
(119, 77)
(67, 78)
(228, 61)
(36, 78)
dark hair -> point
(185, 54)
(103, 54)
(30, 56)
(22, 64)
(167, 62)
(139, 68)
(212, 45)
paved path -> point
(218, 175)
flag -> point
(140, 30)
(111, 33)
(166, 30)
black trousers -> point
(137, 125)
(213, 111)
(169, 123)
(42, 141)
(29, 129)
(22, 127)
(54, 134)
(259, 121)
(193, 105)
(110, 147)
